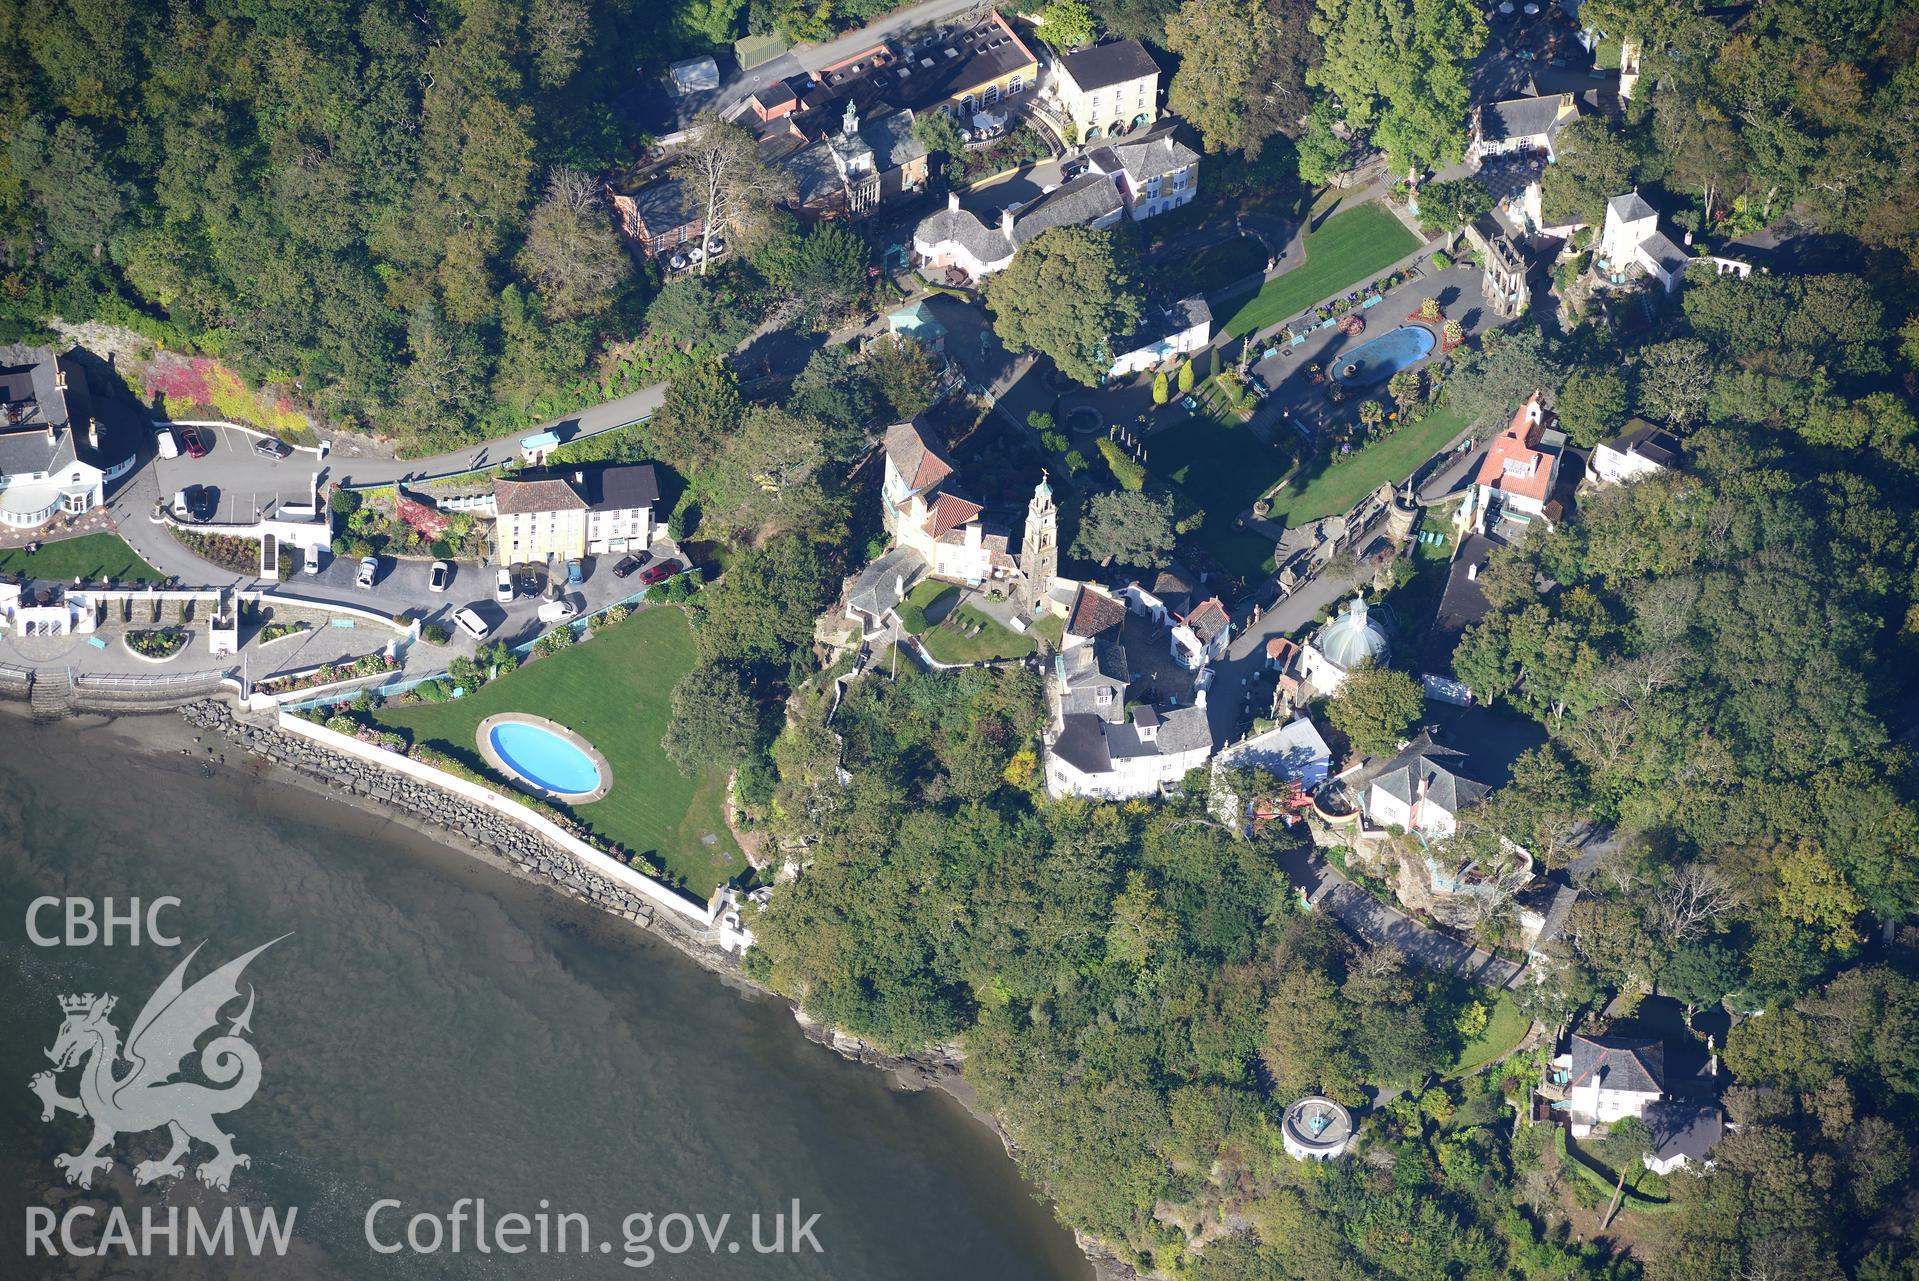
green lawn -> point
(925, 596)
(1222, 466)
(950, 643)
(90, 556)
(1336, 487)
(1346, 250)
(614, 690)
(1505, 1028)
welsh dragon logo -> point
(146, 1096)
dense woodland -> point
(395, 210)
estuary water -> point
(432, 1030)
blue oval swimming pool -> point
(1385, 355)
(544, 758)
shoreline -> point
(170, 738)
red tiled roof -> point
(949, 513)
(1094, 612)
(915, 457)
(1517, 445)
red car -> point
(660, 572)
(196, 444)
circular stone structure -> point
(1316, 1129)
(544, 758)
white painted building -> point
(57, 456)
(1167, 334)
(927, 518)
(562, 515)
(1350, 641)
(1643, 451)
(1602, 1079)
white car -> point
(503, 586)
(369, 566)
(166, 442)
(558, 611)
(439, 577)
(471, 623)
(311, 563)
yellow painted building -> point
(564, 515)
(1109, 90)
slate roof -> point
(1652, 443)
(1462, 604)
(885, 582)
(1087, 198)
(915, 457)
(520, 497)
(814, 175)
(1527, 117)
(1082, 743)
(1619, 1063)
(1683, 1129)
(620, 487)
(1426, 761)
(664, 206)
(1094, 613)
(1290, 751)
(1670, 257)
(27, 387)
(1155, 157)
(892, 140)
(1086, 670)
(1091, 745)
(1209, 619)
(1631, 207)
(981, 54)
(1104, 65)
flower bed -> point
(157, 645)
(233, 554)
(280, 631)
(330, 673)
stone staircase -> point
(51, 695)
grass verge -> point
(615, 691)
(1347, 249)
(90, 556)
(1335, 487)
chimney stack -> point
(1006, 223)
(952, 201)
(93, 433)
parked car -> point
(470, 622)
(166, 443)
(503, 586)
(310, 564)
(661, 572)
(558, 611)
(268, 447)
(628, 565)
(193, 503)
(369, 566)
(439, 576)
(575, 574)
(196, 442)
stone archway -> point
(1092, 134)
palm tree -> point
(1372, 413)
(1403, 387)
(1430, 309)
(1454, 332)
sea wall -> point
(469, 821)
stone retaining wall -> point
(526, 850)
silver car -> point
(369, 566)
